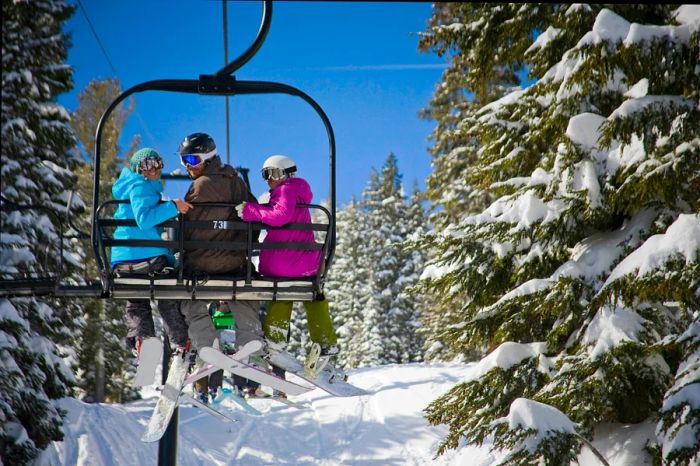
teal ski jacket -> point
(147, 210)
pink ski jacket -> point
(279, 211)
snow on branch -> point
(522, 211)
(535, 431)
(539, 417)
(679, 427)
(635, 105)
(681, 238)
(508, 355)
(610, 327)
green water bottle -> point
(225, 325)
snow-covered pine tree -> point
(414, 305)
(346, 286)
(484, 61)
(390, 316)
(102, 378)
(582, 279)
(377, 346)
(37, 169)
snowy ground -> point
(385, 428)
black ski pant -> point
(139, 317)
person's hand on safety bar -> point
(182, 206)
(239, 209)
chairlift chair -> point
(248, 285)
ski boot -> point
(187, 353)
(136, 347)
(277, 356)
(319, 359)
(254, 392)
(216, 394)
(235, 390)
(201, 390)
(184, 349)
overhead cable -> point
(114, 70)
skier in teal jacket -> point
(140, 184)
(142, 188)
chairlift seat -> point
(243, 286)
(215, 287)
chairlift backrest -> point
(243, 284)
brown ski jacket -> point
(217, 183)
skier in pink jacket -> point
(286, 191)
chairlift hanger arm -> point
(79, 234)
(232, 67)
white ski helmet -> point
(278, 167)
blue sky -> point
(358, 60)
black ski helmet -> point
(196, 143)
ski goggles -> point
(277, 174)
(196, 159)
(150, 163)
(191, 159)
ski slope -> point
(386, 428)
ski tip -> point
(254, 345)
(149, 437)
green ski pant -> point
(318, 319)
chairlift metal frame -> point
(178, 286)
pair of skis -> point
(243, 401)
(325, 380)
(172, 394)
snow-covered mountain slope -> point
(385, 428)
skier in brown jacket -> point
(213, 181)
